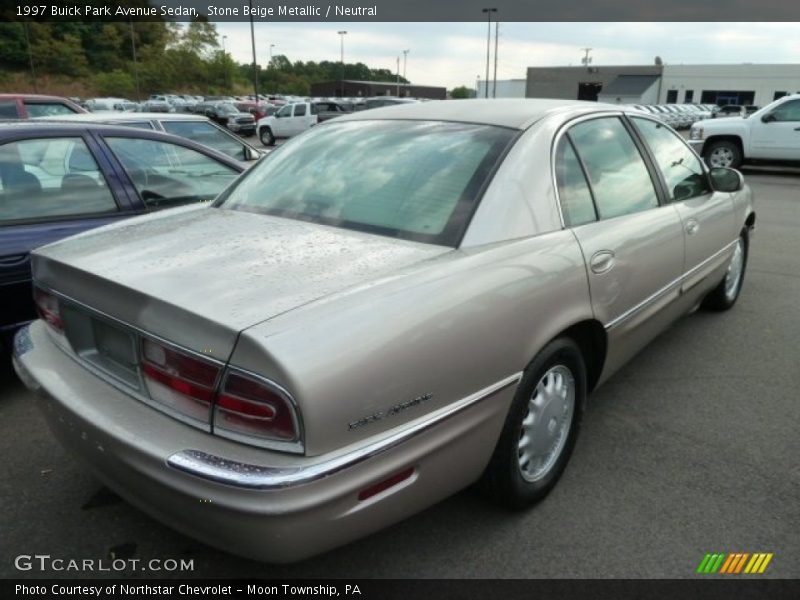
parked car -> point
(366, 345)
(197, 128)
(106, 104)
(230, 117)
(730, 110)
(59, 179)
(381, 101)
(259, 110)
(25, 106)
(290, 120)
(770, 134)
(156, 104)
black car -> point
(230, 117)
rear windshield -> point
(414, 180)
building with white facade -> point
(757, 84)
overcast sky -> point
(453, 54)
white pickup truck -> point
(293, 119)
(769, 134)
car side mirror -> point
(251, 153)
(724, 179)
(768, 118)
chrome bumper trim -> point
(242, 475)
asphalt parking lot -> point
(692, 448)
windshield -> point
(227, 109)
(414, 180)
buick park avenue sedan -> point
(390, 307)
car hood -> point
(215, 269)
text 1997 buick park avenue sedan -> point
(391, 307)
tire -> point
(724, 296)
(514, 478)
(723, 153)
(266, 137)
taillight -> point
(48, 309)
(250, 407)
(179, 380)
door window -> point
(47, 109)
(788, 111)
(617, 173)
(286, 111)
(51, 178)
(577, 205)
(299, 110)
(167, 174)
(682, 170)
(207, 134)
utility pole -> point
(341, 60)
(224, 37)
(135, 65)
(253, 42)
(271, 46)
(405, 57)
(496, 33)
(478, 88)
(488, 12)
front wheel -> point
(541, 427)
(724, 296)
(723, 154)
(266, 137)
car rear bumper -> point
(248, 501)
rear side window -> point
(616, 170)
(47, 109)
(51, 178)
(577, 205)
(8, 109)
(167, 174)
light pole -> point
(478, 88)
(341, 60)
(30, 55)
(224, 37)
(253, 42)
(398, 76)
(488, 12)
(405, 58)
(271, 46)
(494, 83)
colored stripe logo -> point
(735, 563)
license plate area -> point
(103, 344)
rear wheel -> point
(724, 296)
(266, 136)
(541, 427)
(723, 153)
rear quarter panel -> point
(448, 329)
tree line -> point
(133, 60)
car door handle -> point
(13, 260)
(692, 226)
(602, 261)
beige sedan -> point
(394, 305)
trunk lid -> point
(198, 276)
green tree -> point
(462, 91)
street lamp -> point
(224, 37)
(271, 46)
(488, 12)
(405, 56)
(341, 80)
(253, 42)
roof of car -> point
(34, 96)
(513, 113)
(104, 117)
(65, 123)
